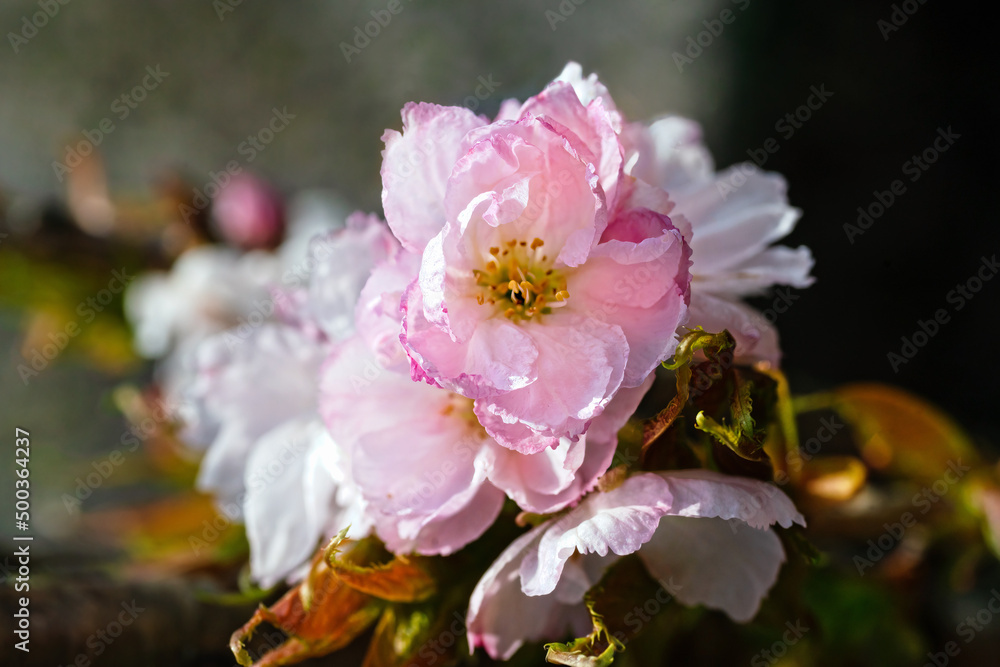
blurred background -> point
(173, 93)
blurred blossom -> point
(249, 213)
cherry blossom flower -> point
(432, 477)
(731, 219)
(708, 535)
(522, 303)
(270, 460)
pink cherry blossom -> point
(270, 460)
(249, 213)
(731, 219)
(520, 303)
(708, 535)
(431, 475)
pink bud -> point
(248, 213)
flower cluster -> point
(484, 348)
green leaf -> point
(397, 638)
(713, 345)
(587, 651)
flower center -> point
(461, 408)
(519, 281)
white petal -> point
(723, 565)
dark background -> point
(937, 70)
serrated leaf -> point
(320, 615)
(742, 409)
(712, 345)
(587, 651)
(749, 447)
(397, 638)
(400, 580)
(569, 654)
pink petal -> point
(441, 536)
(555, 477)
(587, 89)
(705, 493)
(643, 288)
(580, 365)
(564, 204)
(416, 166)
(668, 154)
(604, 429)
(619, 521)
(756, 338)
(378, 317)
(351, 378)
(532, 480)
(499, 356)
(433, 475)
(415, 457)
(344, 260)
(501, 618)
(560, 105)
